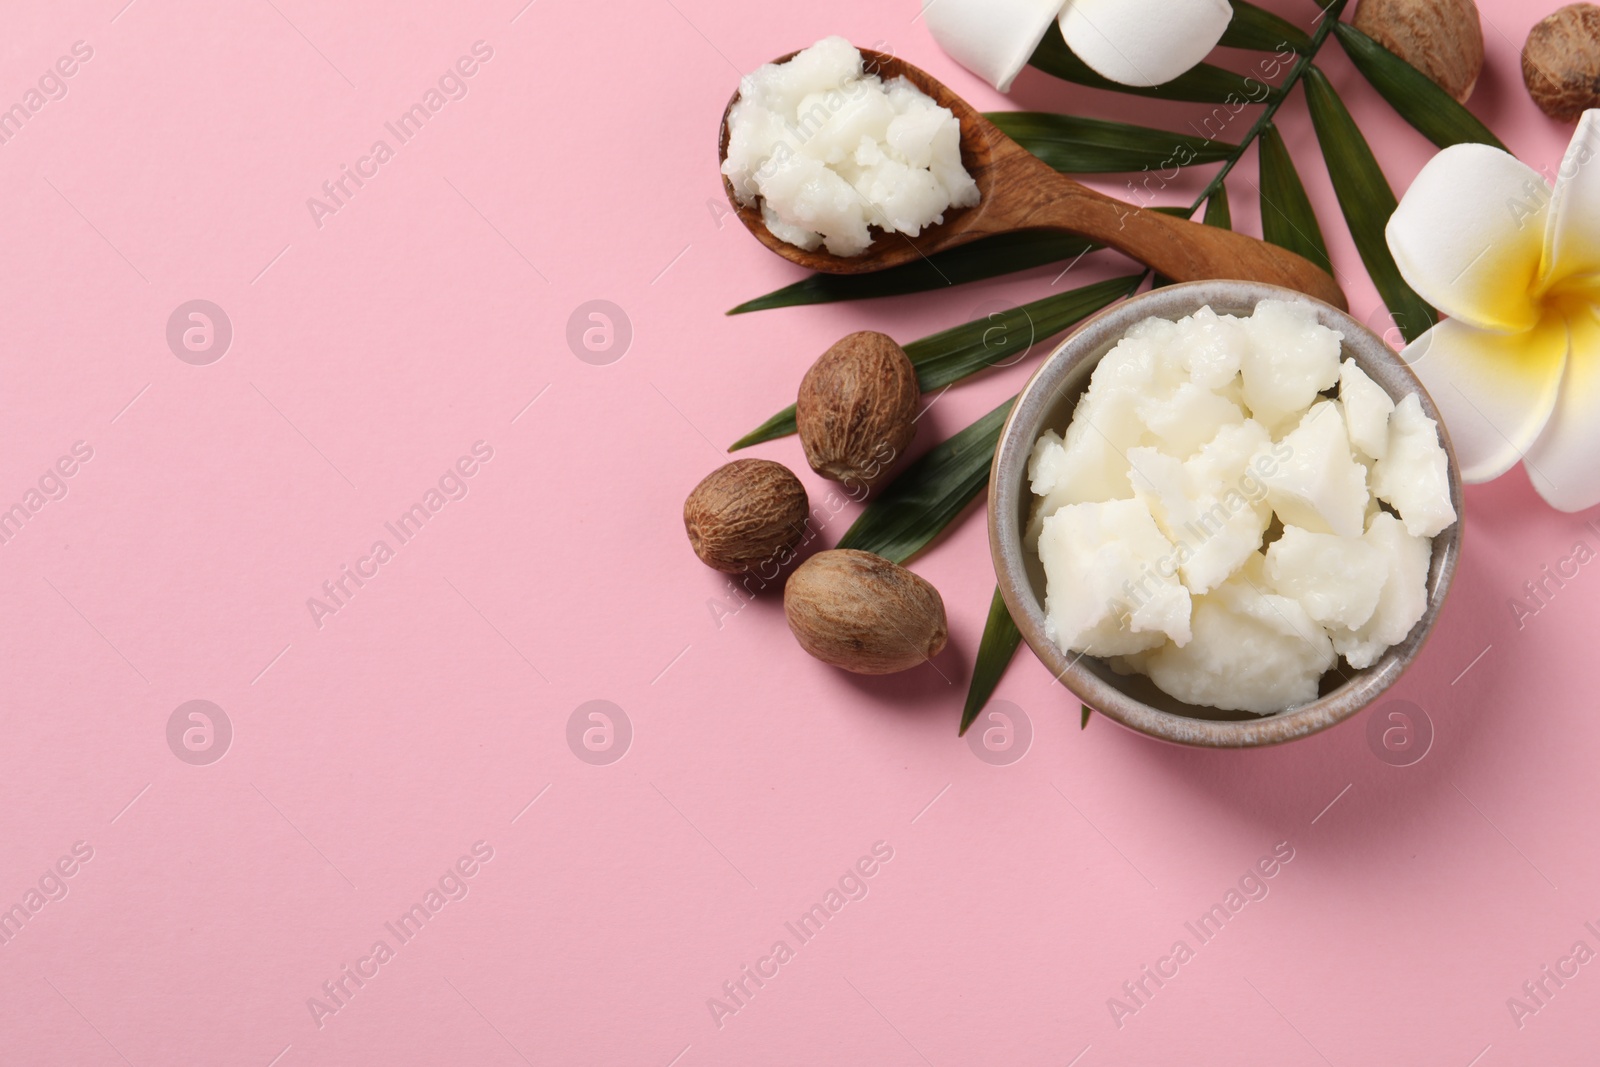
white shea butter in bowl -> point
(829, 150)
(1233, 507)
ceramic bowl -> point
(1047, 402)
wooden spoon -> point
(1019, 192)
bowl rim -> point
(1089, 341)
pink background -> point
(371, 753)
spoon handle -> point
(1028, 193)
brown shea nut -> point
(860, 612)
(857, 409)
(746, 513)
(1561, 62)
(1441, 38)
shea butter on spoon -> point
(829, 150)
(803, 151)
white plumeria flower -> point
(1515, 369)
(1135, 42)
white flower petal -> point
(1468, 236)
(1564, 462)
(1572, 234)
(1143, 42)
(1496, 392)
(992, 38)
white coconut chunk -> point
(1413, 476)
(1157, 481)
(1134, 663)
(1211, 507)
(1044, 463)
(1187, 419)
(1153, 330)
(1366, 410)
(796, 235)
(1288, 360)
(1047, 469)
(1094, 463)
(1111, 584)
(1403, 598)
(1251, 651)
(1211, 348)
(1319, 485)
(1336, 579)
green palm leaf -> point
(1287, 219)
(929, 494)
(1005, 337)
(780, 425)
(1262, 31)
(1081, 145)
(987, 257)
(998, 644)
(1218, 213)
(1434, 112)
(961, 351)
(1367, 202)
